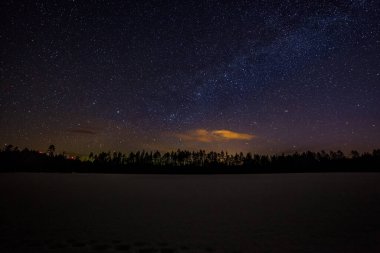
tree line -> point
(184, 161)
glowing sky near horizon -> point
(258, 76)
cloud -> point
(81, 131)
(203, 135)
(230, 135)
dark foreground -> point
(308, 212)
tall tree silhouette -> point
(51, 150)
(12, 159)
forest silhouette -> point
(12, 159)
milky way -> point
(127, 75)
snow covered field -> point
(326, 212)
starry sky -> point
(252, 76)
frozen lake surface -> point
(326, 212)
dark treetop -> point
(12, 159)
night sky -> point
(259, 76)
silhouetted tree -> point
(12, 159)
(355, 154)
(51, 150)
